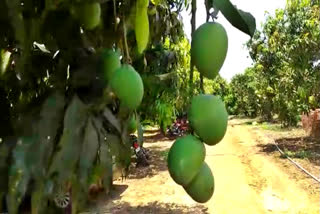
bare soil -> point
(250, 177)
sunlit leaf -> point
(4, 60)
(158, 2)
(42, 47)
(142, 25)
(242, 20)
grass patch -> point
(302, 154)
(271, 127)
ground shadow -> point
(102, 198)
(299, 143)
(296, 144)
(267, 148)
(117, 190)
(157, 163)
(306, 144)
(158, 208)
(157, 136)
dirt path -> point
(252, 182)
(246, 181)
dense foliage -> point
(66, 104)
(168, 91)
(61, 125)
(284, 80)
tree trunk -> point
(201, 84)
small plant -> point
(301, 154)
(271, 127)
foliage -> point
(165, 114)
(54, 101)
(242, 89)
(220, 87)
(284, 79)
(186, 156)
(170, 87)
(238, 18)
(161, 84)
(166, 82)
(170, 60)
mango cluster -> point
(207, 116)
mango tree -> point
(73, 75)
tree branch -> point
(193, 28)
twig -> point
(193, 28)
(115, 15)
(128, 59)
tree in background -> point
(242, 88)
(167, 86)
(284, 80)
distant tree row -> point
(284, 80)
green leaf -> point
(51, 116)
(159, 2)
(38, 204)
(70, 143)
(106, 164)
(114, 143)
(89, 152)
(125, 134)
(242, 20)
(142, 25)
(78, 194)
(112, 119)
(19, 174)
(4, 153)
(4, 60)
(116, 151)
(140, 131)
(104, 168)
